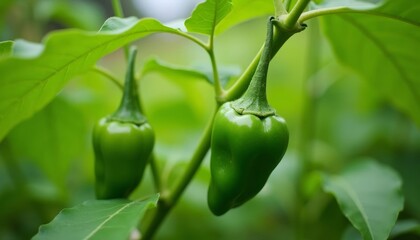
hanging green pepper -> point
(248, 141)
(122, 143)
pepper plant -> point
(207, 145)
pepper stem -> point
(129, 109)
(254, 100)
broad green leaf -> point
(97, 219)
(29, 82)
(403, 10)
(173, 71)
(207, 15)
(351, 233)
(51, 139)
(6, 48)
(244, 10)
(350, 4)
(369, 195)
(118, 24)
(381, 46)
(404, 227)
(226, 73)
(25, 49)
(83, 14)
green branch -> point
(287, 4)
(340, 10)
(167, 202)
(155, 173)
(192, 38)
(324, 11)
(219, 91)
(292, 18)
(281, 35)
(104, 72)
(116, 6)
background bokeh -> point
(334, 117)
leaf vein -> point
(108, 219)
(387, 53)
(355, 199)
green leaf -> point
(55, 139)
(404, 227)
(172, 71)
(31, 79)
(369, 195)
(118, 24)
(6, 48)
(380, 45)
(350, 4)
(83, 14)
(26, 49)
(244, 10)
(226, 73)
(402, 10)
(351, 233)
(97, 219)
(207, 15)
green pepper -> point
(248, 141)
(122, 143)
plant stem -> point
(155, 173)
(287, 4)
(281, 35)
(104, 72)
(340, 10)
(192, 38)
(166, 204)
(195, 163)
(254, 100)
(240, 86)
(116, 6)
(129, 109)
(219, 91)
(293, 16)
(324, 11)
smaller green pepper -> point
(122, 144)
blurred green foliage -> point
(31, 19)
(46, 163)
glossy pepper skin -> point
(122, 144)
(244, 151)
(248, 141)
(121, 154)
